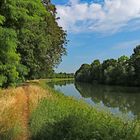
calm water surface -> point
(121, 101)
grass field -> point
(37, 112)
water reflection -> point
(60, 83)
(127, 99)
(122, 100)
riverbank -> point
(55, 80)
(39, 112)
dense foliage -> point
(63, 75)
(31, 42)
(124, 71)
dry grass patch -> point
(36, 94)
(15, 107)
(10, 113)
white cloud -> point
(111, 17)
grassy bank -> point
(63, 118)
(39, 113)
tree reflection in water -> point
(125, 99)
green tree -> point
(124, 71)
(108, 67)
(84, 73)
(40, 41)
(95, 71)
(9, 59)
(135, 63)
(121, 71)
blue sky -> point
(98, 30)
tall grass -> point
(16, 105)
(10, 113)
(63, 118)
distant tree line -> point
(31, 42)
(123, 71)
(62, 75)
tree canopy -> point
(31, 41)
(123, 71)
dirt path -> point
(26, 114)
(26, 97)
(25, 135)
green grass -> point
(63, 118)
